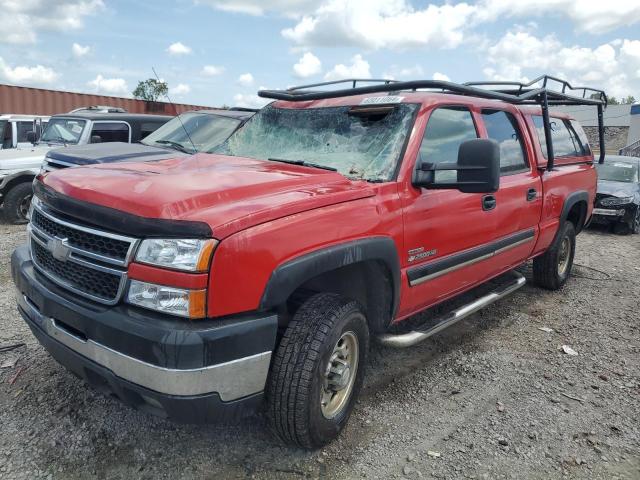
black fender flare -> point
(287, 277)
(569, 202)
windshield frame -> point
(188, 145)
(397, 161)
(612, 164)
(57, 141)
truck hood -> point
(23, 158)
(110, 152)
(617, 189)
(228, 193)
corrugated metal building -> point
(40, 101)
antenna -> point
(195, 150)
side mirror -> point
(478, 169)
(96, 139)
(31, 137)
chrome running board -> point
(411, 338)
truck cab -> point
(18, 167)
(256, 276)
(14, 129)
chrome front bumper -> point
(230, 380)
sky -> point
(221, 52)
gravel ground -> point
(493, 397)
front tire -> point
(635, 224)
(552, 269)
(317, 371)
(16, 203)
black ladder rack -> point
(536, 92)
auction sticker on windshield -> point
(380, 100)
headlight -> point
(607, 202)
(171, 300)
(189, 255)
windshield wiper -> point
(303, 163)
(174, 145)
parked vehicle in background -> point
(18, 167)
(618, 197)
(196, 288)
(191, 132)
(14, 129)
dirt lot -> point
(494, 397)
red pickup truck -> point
(202, 288)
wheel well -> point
(15, 181)
(578, 215)
(369, 282)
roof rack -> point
(535, 92)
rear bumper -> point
(192, 372)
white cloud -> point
(178, 48)
(520, 55)
(212, 70)
(250, 100)
(80, 51)
(441, 76)
(21, 21)
(23, 75)
(111, 86)
(260, 7)
(407, 73)
(359, 68)
(308, 66)
(246, 80)
(180, 89)
(377, 24)
(587, 15)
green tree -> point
(629, 99)
(150, 90)
(613, 101)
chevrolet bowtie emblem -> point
(58, 248)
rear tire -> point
(552, 269)
(310, 392)
(16, 203)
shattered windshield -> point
(359, 142)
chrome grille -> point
(100, 285)
(97, 244)
(88, 262)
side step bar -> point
(411, 338)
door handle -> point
(532, 194)
(488, 202)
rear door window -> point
(23, 129)
(503, 128)
(566, 142)
(111, 131)
(577, 130)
